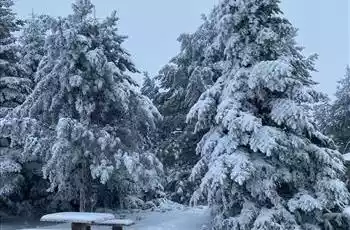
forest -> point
(233, 121)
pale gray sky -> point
(154, 25)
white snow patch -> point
(197, 218)
(346, 211)
(346, 157)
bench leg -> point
(117, 227)
(80, 226)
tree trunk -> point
(82, 201)
(85, 188)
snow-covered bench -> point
(84, 220)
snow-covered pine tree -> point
(338, 125)
(322, 113)
(182, 81)
(32, 41)
(13, 86)
(85, 117)
(26, 194)
(149, 87)
(263, 164)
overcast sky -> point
(154, 25)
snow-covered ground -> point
(184, 219)
(167, 217)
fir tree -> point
(85, 118)
(182, 81)
(32, 41)
(263, 163)
(149, 87)
(13, 86)
(339, 116)
(29, 197)
(322, 113)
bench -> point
(84, 220)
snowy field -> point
(174, 218)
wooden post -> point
(117, 227)
(80, 226)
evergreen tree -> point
(263, 163)
(149, 87)
(85, 118)
(13, 86)
(27, 195)
(182, 81)
(322, 113)
(339, 116)
(32, 41)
